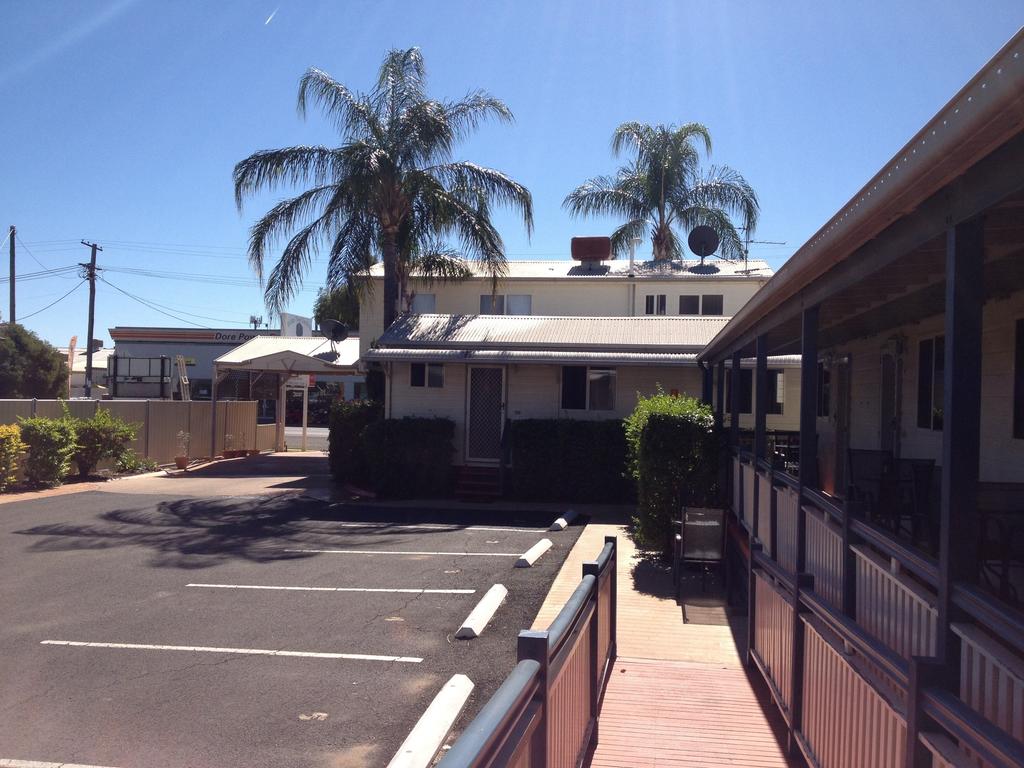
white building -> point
(565, 288)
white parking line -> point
(396, 552)
(340, 589)
(243, 651)
(8, 763)
(435, 527)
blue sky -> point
(121, 121)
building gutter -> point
(986, 113)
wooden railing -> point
(545, 713)
(848, 646)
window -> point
(586, 388)
(689, 305)
(746, 390)
(655, 305)
(519, 304)
(824, 390)
(776, 390)
(426, 375)
(602, 389)
(931, 364)
(424, 304)
(713, 304)
(1018, 382)
(492, 305)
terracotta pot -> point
(181, 462)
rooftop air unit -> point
(591, 251)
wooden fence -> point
(160, 422)
(545, 713)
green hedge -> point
(103, 436)
(51, 446)
(409, 458)
(674, 450)
(568, 460)
(10, 447)
(347, 421)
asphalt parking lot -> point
(144, 630)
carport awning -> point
(292, 355)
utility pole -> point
(90, 275)
(10, 237)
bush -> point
(347, 421)
(674, 450)
(411, 457)
(104, 436)
(10, 447)
(51, 446)
(130, 463)
(568, 460)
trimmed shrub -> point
(674, 450)
(347, 421)
(103, 436)
(568, 460)
(130, 463)
(51, 446)
(10, 447)
(411, 457)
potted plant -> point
(229, 451)
(184, 441)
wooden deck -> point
(679, 695)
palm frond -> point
(271, 168)
(624, 235)
(351, 113)
(439, 263)
(283, 218)
(493, 186)
(286, 276)
(604, 196)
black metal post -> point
(924, 673)
(961, 417)
(734, 404)
(706, 383)
(808, 424)
(720, 394)
(761, 398)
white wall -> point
(1002, 456)
(532, 392)
(572, 297)
(789, 419)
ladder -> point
(183, 385)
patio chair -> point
(868, 481)
(913, 497)
(700, 541)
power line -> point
(156, 308)
(79, 285)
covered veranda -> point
(284, 358)
(886, 575)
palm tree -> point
(663, 190)
(391, 190)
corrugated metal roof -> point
(618, 334)
(537, 357)
(292, 354)
(619, 269)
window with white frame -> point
(655, 304)
(776, 391)
(588, 389)
(426, 375)
(931, 368)
(519, 304)
(712, 304)
(492, 304)
(689, 304)
(424, 304)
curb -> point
(564, 521)
(430, 731)
(484, 611)
(532, 555)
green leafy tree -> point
(663, 191)
(391, 191)
(29, 367)
(338, 304)
(103, 436)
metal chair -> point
(700, 541)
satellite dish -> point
(335, 330)
(703, 241)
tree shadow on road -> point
(202, 533)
